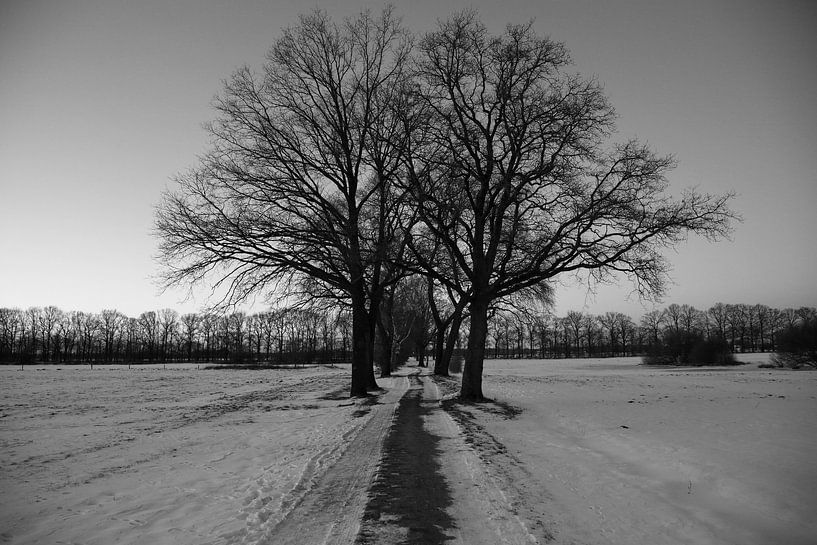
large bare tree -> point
(524, 186)
(300, 178)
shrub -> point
(659, 355)
(797, 346)
(680, 348)
(711, 352)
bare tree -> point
(149, 332)
(526, 165)
(32, 326)
(692, 319)
(737, 327)
(168, 322)
(11, 325)
(627, 331)
(673, 318)
(447, 309)
(763, 314)
(300, 178)
(575, 320)
(718, 315)
(775, 326)
(610, 322)
(68, 336)
(111, 322)
(234, 329)
(191, 323)
(48, 319)
(591, 332)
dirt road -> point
(331, 505)
(411, 478)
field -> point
(148, 455)
(583, 451)
(612, 452)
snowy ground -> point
(576, 451)
(607, 451)
(148, 455)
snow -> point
(148, 455)
(614, 452)
(579, 451)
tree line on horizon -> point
(302, 336)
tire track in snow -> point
(326, 506)
(432, 487)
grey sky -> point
(102, 101)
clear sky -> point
(102, 101)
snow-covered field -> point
(607, 451)
(148, 455)
(584, 451)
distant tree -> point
(684, 340)
(67, 337)
(254, 338)
(110, 322)
(545, 326)
(11, 326)
(806, 315)
(266, 321)
(652, 322)
(149, 332)
(281, 320)
(87, 325)
(718, 316)
(563, 336)
(673, 319)
(132, 345)
(609, 322)
(326, 329)
(48, 319)
(797, 342)
(751, 321)
(190, 323)
(32, 327)
(592, 333)
(234, 328)
(627, 332)
(168, 322)
(447, 308)
(691, 320)
(763, 316)
(574, 320)
(413, 323)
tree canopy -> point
(480, 161)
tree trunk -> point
(475, 352)
(451, 340)
(361, 354)
(440, 367)
(383, 342)
(371, 381)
